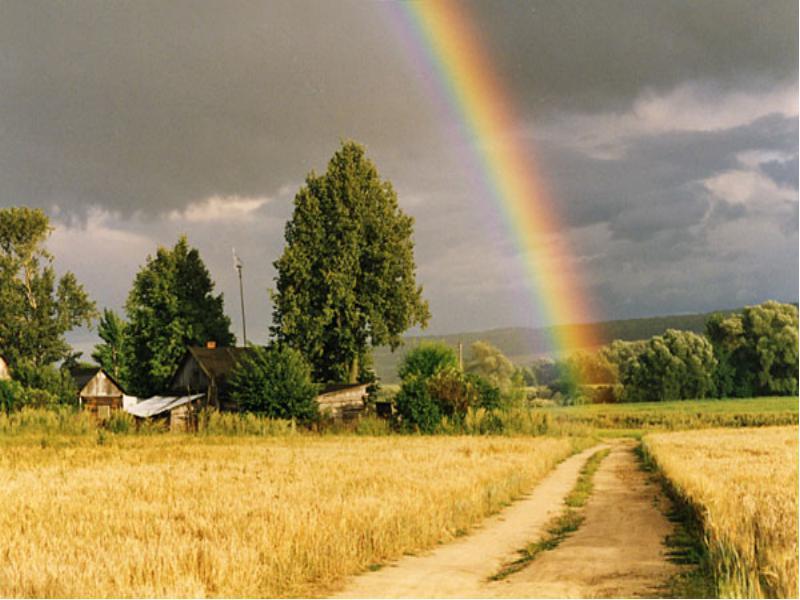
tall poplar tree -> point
(171, 306)
(346, 280)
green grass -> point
(563, 525)
(612, 420)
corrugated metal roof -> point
(159, 404)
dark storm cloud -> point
(129, 116)
(590, 55)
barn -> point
(4, 372)
(98, 393)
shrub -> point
(426, 359)
(10, 395)
(275, 382)
(416, 407)
(452, 391)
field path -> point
(461, 568)
(617, 552)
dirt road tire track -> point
(617, 552)
(461, 568)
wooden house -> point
(97, 391)
(206, 371)
(4, 372)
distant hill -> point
(524, 344)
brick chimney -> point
(211, 344)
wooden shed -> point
(4, 372)
(97, 391)
(342, 400)
(205, 371)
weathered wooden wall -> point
(4, 374)
(343, 404)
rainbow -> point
(464, 77)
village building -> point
(201, 381)
(5, 374)
(98, 393)
(205, 371)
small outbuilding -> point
(98, 392)
(205, 371)
(179, 411)
(342, 400)
(5, 375)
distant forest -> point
(524, 344)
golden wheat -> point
(744, 483)
(181, 516)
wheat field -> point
(744, 484)
(290, 516)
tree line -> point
(346, 281)
(752, 352)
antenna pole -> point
(238, 266)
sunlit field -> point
(289, 515)
(743, 482)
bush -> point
(416, 407)
(275, 382)
(10, 395)
(44, 386)
(452, 391)
(426, 359)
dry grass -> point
(179, 516)
(744, 484)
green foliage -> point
(275, 382)
(491, 364)
(43, 385)
(416, 407)
(346, 279)
(110, 354)
(10, 395)
(678, 365)
(170, 306)
(488, 396)
(757, 350)
(36, 309)
(452, 392)
(426, 359)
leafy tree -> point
(44, 385)
(426, 359)
(171, 306)
(593, 367)
(110, 354)
(275, 382)
(346, 279)
(674, 366)
(36, 308)
(490, 363)
(757, 350)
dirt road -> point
(618, 551)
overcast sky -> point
(666, 131)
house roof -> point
(218, 362)
(83, 375)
